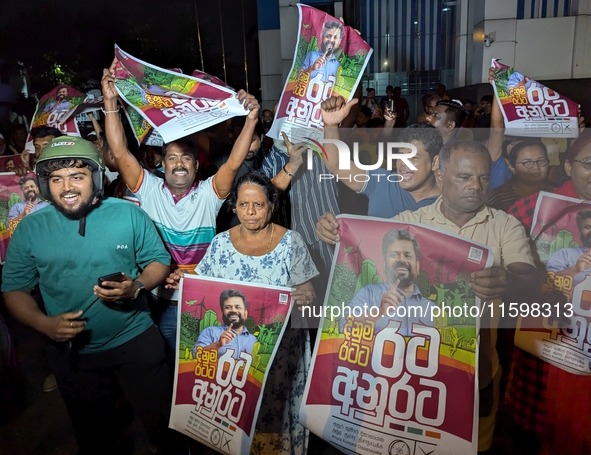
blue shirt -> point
(499, 173)
(387, 198)
(372, 294)
(565, 258)
(330, 68)
(18, 208)
(242, 342)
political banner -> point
(556, 330)
(394, 369)
(55, 108)
(532, 109)
(173, 103)
(228, 334)
(329, 60)
(12, 203)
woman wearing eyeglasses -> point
(528, 161)
(546, 403)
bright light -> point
(445, 9)
(385, 62)
(416, 22)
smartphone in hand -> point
(118, 277)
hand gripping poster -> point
(173, 103)
(532, 109)
(228, 335)
(329, 60)
(395, 368)
(16, 202)
(556, 330)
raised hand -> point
(250, 103)
(335, 109)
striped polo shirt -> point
(186, 224)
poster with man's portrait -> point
(13, 204)
(556, 328)
(228, 335)
(395, 368)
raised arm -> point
(334, 110)
(129, 167)
(295, 151)
(224, 178)
(497, 124)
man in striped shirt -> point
(184, 210)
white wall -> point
(545, 47)
(552, 48)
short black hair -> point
(425, 133)
(467, 101)
(229, 293)
(267, 110)
(389, 87)
(370, 89)
(582, 216)
(25, 179)
(259, 179)
(376, 122)
(467, 145)
(47, 167)
(397, 88)
(458, 114)
(187, 146)
(398, 234)
(523, 144)
(487, 98)
(44, 131)
(366, 111)
(334, 24)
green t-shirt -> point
(47, 249)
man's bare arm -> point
(224, 178)
(129, 167)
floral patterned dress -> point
(277, 429)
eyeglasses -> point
(542, 162)
(586, 164)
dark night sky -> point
(81, 34)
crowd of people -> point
(247, 210)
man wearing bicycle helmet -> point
(101, 334)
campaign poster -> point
(556, 329)
(9, 162)
(10, 195)
(532, 109)
(54, 109)
(329, 60)
(174, 104)
(228, 334)
(403, 382)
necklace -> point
(268, 246)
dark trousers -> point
(89, 383)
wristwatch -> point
(140, 288)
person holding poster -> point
(541, 414)
(233, 334)
(259, 251)
(183, 209)
(463, 176)
(101, 334)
